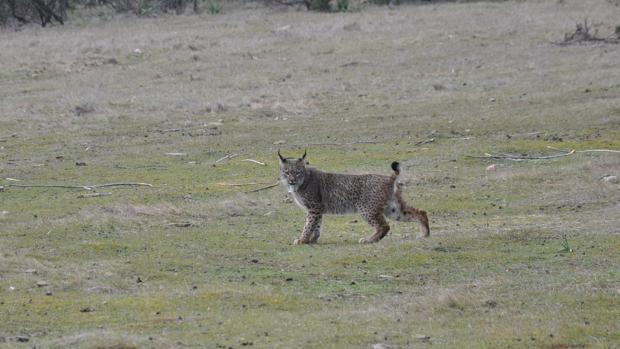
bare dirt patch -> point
(131, 211)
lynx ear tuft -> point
(282, 159)
(303, 157)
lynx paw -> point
(364, 241)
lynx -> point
(373, 196)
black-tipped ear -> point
(303, 157)
(280, 156)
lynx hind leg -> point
(377, 221)
(421, 217)
(399, 210)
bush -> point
(146, 7)
(343, 5)
(48, 11)
(124, 5)
(214, 7)
(25, 11)
(319, 5)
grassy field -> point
(526, 256)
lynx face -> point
(293, 172)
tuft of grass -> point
(566, 247)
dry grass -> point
(193, 263)
(124, 210)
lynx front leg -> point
(316, 234)
(381, 227)
(313, 224)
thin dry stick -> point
(84, 187)
(181, 224)
(229, 156)
(119, 185)
(263, 188)
(587, 150)
(367, 142)
(169, 130)
(598, 150)
(525, 134)
(239, 184)
(93, 195)
(254, 161)
(341, 144)
(431, 140)
(521, 158)
(565, 153)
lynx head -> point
(292, 171)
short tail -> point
(396, 169)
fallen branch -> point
(512, 157)
(239, 184)
(353, 64)
(181, 224)
(587, 150)
(119, 185)
(582, 34)
(84, 187)
(227, 157)
(430, 140)
(524, 134)
(254, 161)
(598, 150)
(93, 195)
(150, 167)
(341, 144)
(263, 188)
(169, 130)
(520, 158)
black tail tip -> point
(396, 166)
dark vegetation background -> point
(59, 11)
